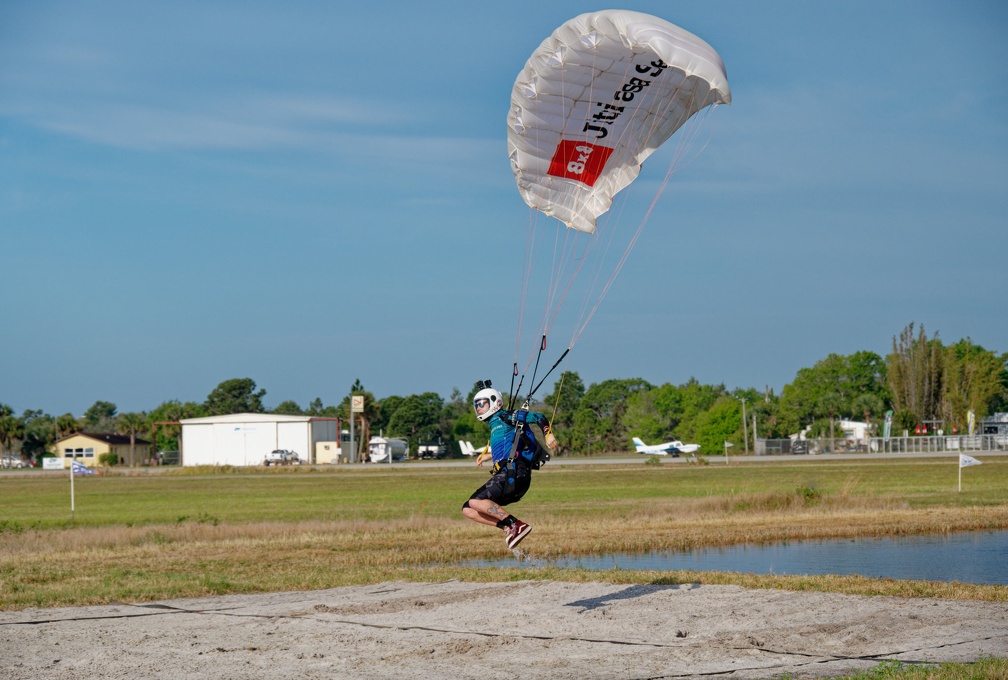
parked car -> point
(281, 457)
(11, 462)
(432, 451)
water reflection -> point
(974, 557)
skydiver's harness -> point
(540, 451)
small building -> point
(88, 447)
(854, 431)
(246, 438)
(996, 423)
(387, 450)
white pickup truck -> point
(281, 457)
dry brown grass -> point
(93, 565)
(190, 535)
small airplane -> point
(674, 447)
(468, 450)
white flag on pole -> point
(80, 468)
(966, 461)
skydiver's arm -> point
(551, 441)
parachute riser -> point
(552, 368)
(542, 346)
(528, 399)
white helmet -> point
(487, 402)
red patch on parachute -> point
(580, 161)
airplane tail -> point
(638, 444)
(468, 449)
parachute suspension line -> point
(536, 388)
(557, 267)
(605, 234)
(569, 257)
(565, 266)
(604, 239)
(685, 141)
(674, 165)
(688, 137)
(556, 397)
(542, 348)
(525, 278)
(564, 253)
(545, 319)
(590, 241)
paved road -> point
(668, 460)
(601, 460)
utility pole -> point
(745, 428)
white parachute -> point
(596, 99)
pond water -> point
(974, 557)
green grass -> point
(182, 533)
(988, 668)
(569, 491)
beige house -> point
(86, 448)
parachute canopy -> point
(596, 99)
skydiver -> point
(509, 478)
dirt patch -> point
(535, 629)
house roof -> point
(116, 439)
(247, 418)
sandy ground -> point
(529, 629)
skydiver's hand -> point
(483, 457)
(551, 441)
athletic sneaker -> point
(514, 534)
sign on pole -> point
(356, 406)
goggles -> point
(481, 404)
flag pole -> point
(965, 461)
(71, 490)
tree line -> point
(921, 380)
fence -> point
(927, 444)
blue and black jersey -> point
(502, 433)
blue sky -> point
(308, 193)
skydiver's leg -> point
(485, 511)
(484, 506)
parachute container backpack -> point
(595, 100)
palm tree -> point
(11, 429)
(65, 424)
(830, 404)
(131, 424)
(868, 404)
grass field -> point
(197, 532)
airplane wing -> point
(653, 450)
(685, 448)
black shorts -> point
(496, 487)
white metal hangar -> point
(246, 438)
